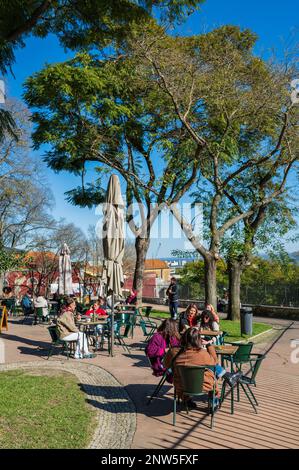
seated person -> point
(166, 336)
(68, 331)
(102, 303)
(192, 353)
(96, 309)
(26, 304)
(41, 302)
(132, 298)
(212, 310)
(189, 318)
(207, 322)
(8, 298)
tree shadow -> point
(30, 342)
(114, 400)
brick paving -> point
(275, 426)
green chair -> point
(160, 384)
(129, 322)
(222, 338)
(249, 378)
(192, 381)
(38, 315)
(120, 337)
(64, 346)
(241, 356)
(147, 326)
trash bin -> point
(246, 320)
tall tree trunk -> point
(235, 269)
(141, 246)
(210, 264)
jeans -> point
(173, 309)
(219, 371)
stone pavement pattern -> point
(275, 426)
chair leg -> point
(249, 398)
(238, 392)
(157, 389)
(222, 394)
(174, 407)
(252, 394)
(50, 352)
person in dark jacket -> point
(173, 298)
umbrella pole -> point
(112, 327)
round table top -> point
(96, 322)
(210, 333)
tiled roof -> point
(155, 264)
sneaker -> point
(78, 356)
(89, 356)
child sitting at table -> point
(207, 322)
(96, 309)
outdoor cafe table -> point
(228, 350)
(85, 325)
(210, 333)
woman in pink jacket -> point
(167, 336)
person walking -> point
(173, 298)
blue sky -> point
(274, 22)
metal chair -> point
(160, 384)
(249, 379)
(120, 337)
(241, 356)
(147, 326)
(192, 381)
(65, 346)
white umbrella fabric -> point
(65, 286)
(113, 245)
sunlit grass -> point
(40, 411)
(232, 328)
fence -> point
(263, 294)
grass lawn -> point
(233, 328)
(43, 410)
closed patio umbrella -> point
(65, 286)
(113, 245)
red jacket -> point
(99, 311)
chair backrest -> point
(243, 352)
(192, 378)
(257, 364)
(222, 337)
(148, 310)
(53, 333)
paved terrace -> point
(275, 426)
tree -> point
(237, 108)
(88, 112)
(79, 23)
(24, 197)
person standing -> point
(173, 298)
